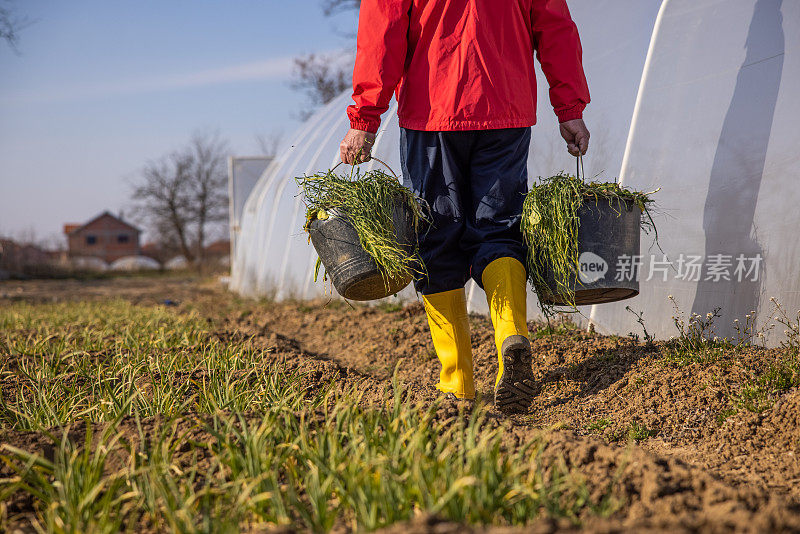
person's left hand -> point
(356, 146)
(576, 135)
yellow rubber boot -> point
(504, 281)
(449, 324)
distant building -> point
(218, 249)
(19, 258)
(106, 237)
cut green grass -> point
(368, 203)
(550, 224)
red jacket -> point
(465, 64)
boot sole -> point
(515, 391)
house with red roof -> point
(106, 237)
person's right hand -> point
(576, 135)
(356, 146)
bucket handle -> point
(376, 159)
(579, 172)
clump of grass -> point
(73, 491)
(761, 393)
(556, 326)
(696, 341)
(649, 339)
(390, 307)
(792, 327)
(599, 425)
(368, 202)
(638, 432)
(550, 229)
(633, 431)
(723, 415)
(371, 468)
(309, 465)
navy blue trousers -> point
(475, 183)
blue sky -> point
(101, 86)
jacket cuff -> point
(571, 113)
(364, 126)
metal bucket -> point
(354, 273)
(608, 236)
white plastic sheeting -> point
(89, 263)
(698, 97)
(134, 263)
(274, 258)
(716, 128)
(176, 263)
(615, 35)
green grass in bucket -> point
(550, 229)
(367, 200)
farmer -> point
(464, 77)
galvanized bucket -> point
(354, 273)
(608, 244)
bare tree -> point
(182, 194)
(321, 77)
(53, 241)
(163, 200)
(26, 235)
(331, 7)
(268, 144)
(208, 184)
(10, 25)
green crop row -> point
(181, 430)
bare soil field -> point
(656, 436)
